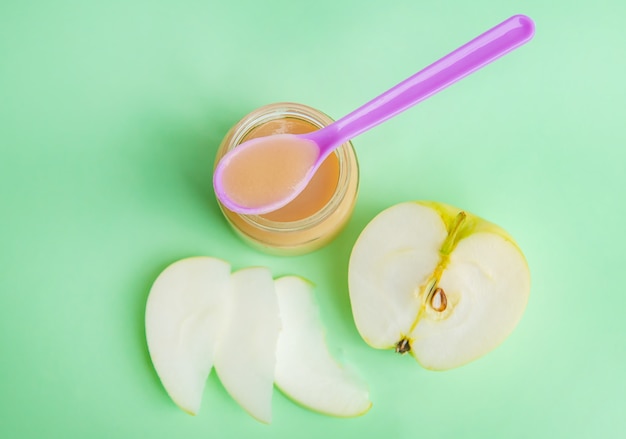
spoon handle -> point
(468, 58)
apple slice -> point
(246, 352)
(305, 371)
(430, 279)
(184, 315)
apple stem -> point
(450, 241)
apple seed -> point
(439, 301)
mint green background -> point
(111, 112)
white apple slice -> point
(246, 353)
(305, 370)
(441, 283)
(184, 316)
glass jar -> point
(319, 213)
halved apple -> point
(433, 280)
(305, 370)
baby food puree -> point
(320, 211)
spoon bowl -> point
(263, 174)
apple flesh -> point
(254, 330)
(305, 370)
(184, 315)
(246, 353)
(438, 282)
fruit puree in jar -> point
(324, 206)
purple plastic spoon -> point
(264, 174)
